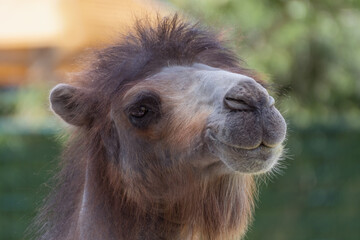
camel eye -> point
(144, 110)
(139, 112)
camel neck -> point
(100, 218)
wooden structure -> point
(39, 37)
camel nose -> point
(238, 103)
(247, 96)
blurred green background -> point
(310, 53)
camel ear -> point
(70, 104)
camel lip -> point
(262, 145)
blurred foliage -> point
(25, 163)
(310, 48)
(26, 110)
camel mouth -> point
(257, 159)
(261, 146)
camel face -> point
(217, 117)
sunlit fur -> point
(97, 195)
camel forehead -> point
(197, 74)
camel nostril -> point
(237, 104)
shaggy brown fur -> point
(216, 207)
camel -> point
(168, 132)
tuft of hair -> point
(154, 44)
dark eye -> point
(139, 112)
(144, 110)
